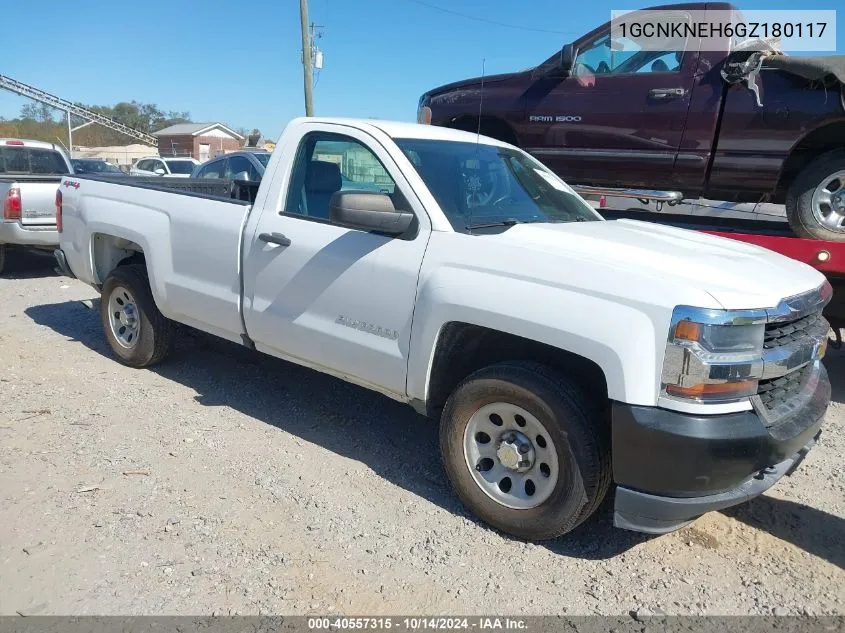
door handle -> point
(667, 93)
(274, 238)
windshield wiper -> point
(490, 225)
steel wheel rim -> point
(829, 202)
(123, 317)
(491, 464)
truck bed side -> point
(190, 239)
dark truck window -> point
(214, 169)
(239, 167)
(263, 158)
(31, 161)
(82, 166)
(180, 166)
(479, 184)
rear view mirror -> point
(368, 211)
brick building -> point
(199, 140)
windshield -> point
(478, 184)
(180, 166)
(94, 166)
(262, 158)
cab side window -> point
(213, 169)
(607, 56)
(327, 163)
(239, 168)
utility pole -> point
(306, 57)
(69, 136)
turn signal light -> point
(715, 391)
(688, 331)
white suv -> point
(157, 166)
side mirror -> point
(241, 175)
(567, 59)
(368, 211)
(159, 172)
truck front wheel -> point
(525, 449)
(815, 203)
(137, 332)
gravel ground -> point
(228, 482)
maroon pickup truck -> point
(674, 122)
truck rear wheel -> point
(137, 332)
(815, 203)
(2, 257)
(525, 450)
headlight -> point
(728, 339)
(712, 356)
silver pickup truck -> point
(30, 173)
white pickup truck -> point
(559, 352)
(30, 173)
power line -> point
(494, 22)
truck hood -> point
(469, 84)
(737, 275)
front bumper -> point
(671, 467)
(38, 236)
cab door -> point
(619, 117)
(325, 295)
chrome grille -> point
(777, 391)
(780, 334)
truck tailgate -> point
(38, 200)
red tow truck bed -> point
(826, 257)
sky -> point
(239, 62)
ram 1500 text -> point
(559, 351)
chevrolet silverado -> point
(560, 352)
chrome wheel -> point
(123, 317)
(829, 202)
(510, 455)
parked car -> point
(559, 351)
(251, 164)
(30, 173)
(94, 166)
(669, 121)
(158, 166)
(234, 166)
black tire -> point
(2, 257)
(799, 197)
(156, 334)
(577, 429)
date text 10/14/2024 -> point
(481, 623)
